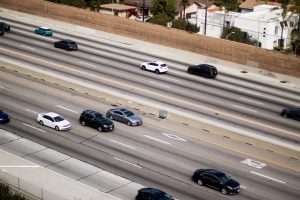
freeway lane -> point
(253, 109)
(142, 154)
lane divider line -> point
(127, 162)
(157, 139)
(125, 145)
(67, 109)
(34, 127)
(31, 111)
(267, 177)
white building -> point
(265, 24)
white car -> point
(140, 18)
(156, 66)
(53, 120)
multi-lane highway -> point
(153, 155)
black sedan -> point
(4, 26)
(293, 113)
(152, 193)
(217, 180)
(204, 70)
(68, 45)
(96, 120)
(124, 115)
(4, 117)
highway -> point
(152, 158)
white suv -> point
(156, 66)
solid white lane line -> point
(159, 84)
(122, 144)
(157, 139)
(19, 166)
(67, 109)
(33, 164)
(84, 63)
(244, 108)
(244, 187)
(40, 43)
(27, 47)
(127, 162)
(250, 92)
(268, 177)
(250, 100)
(34, 127)
(2, 87)
(31, 111)
(15, 137)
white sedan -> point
(53, 120)
(156, 66)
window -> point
(276, 30)
(291, 24)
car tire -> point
(157, 71)
(111, 117)
(56, 128)
(224, 191)
(199, 182)
(99, 129)
(83, 123)
(41, 122)
(143, 68)
(129, 123)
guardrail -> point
(29, 190)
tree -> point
(184, 3)
(163, 6)
(238, 35)
(182, 24)
(161, 19)
(75, 3)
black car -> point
(1, 31)
(4, 117)
(153, 194)
(96, 120)
(203, 70)
(217, 180)
(293, 113)
(68, 45)
(4, 26)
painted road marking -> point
(2, 87)
(175, 137)
(19, 166)
(244, 108)
(85, 63)
(250, 92)
(15, 137)
(273, 179)
(122, 144)
(157, 139)
(252, 101)
(27, 47)
(253, 163)
(172, 79)
(67, 109)
(244, 187)
(127, 162)
(31, 111)
(34, 127)
(159, 84)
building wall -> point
(218, 48)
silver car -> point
(124, 115)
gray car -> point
(124, 115)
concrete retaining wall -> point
(218, 48)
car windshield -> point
(225, 178)
(47, 29)
(163, 65)
(98, 115)
(128, 113)
(58, 119)
(72, 43)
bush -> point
(161, 19)
(6, 194)
(182, 24)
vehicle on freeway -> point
(4, 117)
(53, 120)
(155, 66)
(68, 45)
(44, 31)
(217, 180)
(124, 115)
(140, 18)
(153, 194)
(4, 26)
(1, 32)
(293, 113)
(96, 120)
(204, 70)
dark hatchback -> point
(68, 45)
(293, 113)
(204, 70)
(4, 117)
(96, 120)
(153, 194)
(4, 26)
(217, 180)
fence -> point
(29, 190)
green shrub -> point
(6, 194)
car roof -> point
(51, 114)
(67, 40)
(152, 191)
(212, 171)
(43, 27)
(158, 62)
(92, 112)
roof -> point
(51, 114)
(43, 27)
(117, 7)
(248, 4)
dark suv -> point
(4, 26)
(68, 45)
(293, 113)
(153, 194)
(96, 120)
(203, 70)
(217, 180)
